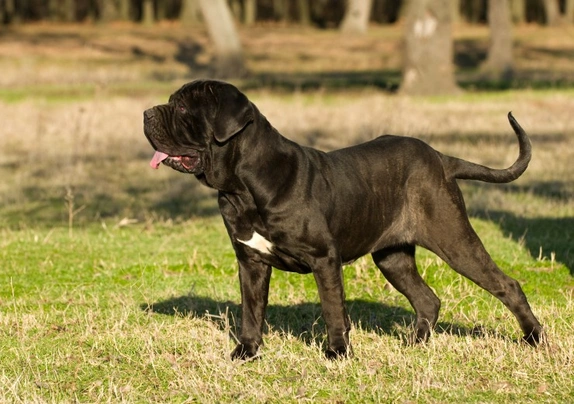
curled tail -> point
(465, 170)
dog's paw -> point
(417, 338)
(339, 353)
(535, 338)
(244, 351)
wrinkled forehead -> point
(180, 95)
(196, 89)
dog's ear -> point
(234, 113)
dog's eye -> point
(180, 107)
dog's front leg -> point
(254, 279)
(329, 277)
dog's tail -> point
(466, 170)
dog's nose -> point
(148, 113)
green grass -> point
(149, 313)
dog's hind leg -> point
(455, 241)
(398, 265)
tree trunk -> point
(428, 67)
(498, 64)
(92, 11)
(356, 19)
(160, 10)
(54, 10)
(189, 14)
(518, 10)
(474, 10)
(69, 10)
(124, 10)
(403, 10)
(281, 10)
(552, 11)
(569, 12)
(108, 10)
(236, 9)
(147, 13)
(304, 12)
(10, 12)
(249, 12)
(228, 52)
(455, 13)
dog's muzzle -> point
(189, 161)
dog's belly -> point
(291, 259)
(285, 262)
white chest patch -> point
(259, 243)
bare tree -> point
(160, 10)
(569, 12)
(53, 10)
(236, 8)
(189, 14)
(455, 13)
(109, 10)
(281, 9)
(356, 19)
(147, 12)
(428, 66)
(228, 51)
(518, 11)
(249, 12)
(69, 10)
(474, 10)
(552, 11)
(14, 16)
(124, 10)
(304, 12)
(498, 64)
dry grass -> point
(97, 146)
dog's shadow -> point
(304, 321)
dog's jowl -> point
(303, 210)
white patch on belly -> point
(259, 243)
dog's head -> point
(199, 116)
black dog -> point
(302, 210)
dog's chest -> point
(258, 243)
(249, 233)
(281, 257)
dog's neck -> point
(272, 166)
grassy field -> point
(118, 282)
(149, 312)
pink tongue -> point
(157, 158)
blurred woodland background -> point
(427, 55)
(320, 13)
